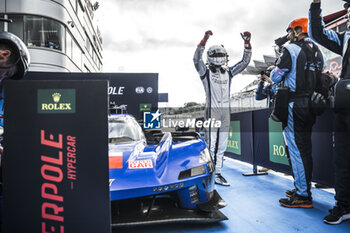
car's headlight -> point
(204, 156)
(200, 170)
(196, 171)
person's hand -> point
(268, 79)
(207, 34)
(246, 37)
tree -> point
(190, 104)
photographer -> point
(267, 92)
(337, 43)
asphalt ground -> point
(253, 207)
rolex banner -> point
(234, 139)
(239, 143)
(260, 142)
(55, 166)
(56, 101)
(277, 149)
(269, 149)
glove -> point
(207, 34)
(246, 37)
(318, 98)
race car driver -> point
(296, 70)
(216, 78)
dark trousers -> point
(297, 134)
(342, 160)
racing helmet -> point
(20, 58)
(299, 23)
(217, 55)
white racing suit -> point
(217, 91)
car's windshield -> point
(123, 130)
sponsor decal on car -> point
(139, 164)
(111, 182)
(115, 160)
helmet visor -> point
(9, 56)
(217, 55)
(8, 72)
(217, 61)
(5, 64)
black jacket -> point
(334, 41)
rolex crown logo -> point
(56, 97)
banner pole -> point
(255, 170)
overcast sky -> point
(160, 36)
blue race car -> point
(159, 177)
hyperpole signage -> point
(55, 164)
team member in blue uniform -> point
(291, 68)
(338, 43)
